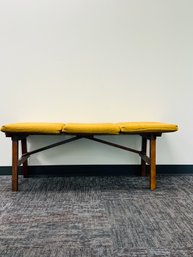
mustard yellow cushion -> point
(33, 128)
(135, 127)
(91, 128)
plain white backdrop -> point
(97, 61)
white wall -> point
(97, 61)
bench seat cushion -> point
(137, 127)
(91, 128)
(33, 128)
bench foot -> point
(144, 150)
(24, 151)
(14, 164)
(152, 175)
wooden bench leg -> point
(152, 175)
(143, 162)
(24, 150)
(14, 164)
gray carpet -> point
(96, 217)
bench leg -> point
(14, 164)
(144, 150)
(24, 150)
(152, 175)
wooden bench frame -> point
(149, 159)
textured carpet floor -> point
(96, 217)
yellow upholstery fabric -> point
(91, 128)
(135, 127)
(33, 128)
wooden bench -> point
(148, 131)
